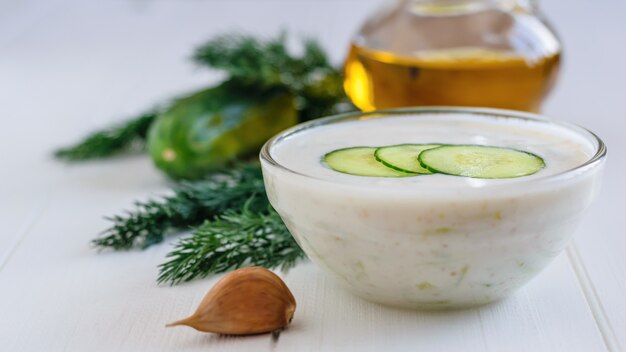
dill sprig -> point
(190, 205)
(255, 61)
(116, 139)
(233, 240)
(234, 223)
(267, 63)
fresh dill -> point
(232, 240)
(232, 223)
(190, 205)
(122, 137)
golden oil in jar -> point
(458, 76)
(487, 53)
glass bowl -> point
(433, 246)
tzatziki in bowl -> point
(433, 208)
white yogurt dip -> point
(433, 241)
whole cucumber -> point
(206, 130)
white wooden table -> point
(69, 67)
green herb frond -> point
(256, 61)
(190, 205)
(265, 63)
(114, 140)
(235, 239)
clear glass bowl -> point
(427, 247)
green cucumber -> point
(359, 161)
(403, 157)
(480, 161)
(210, 128)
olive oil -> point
(459, 76)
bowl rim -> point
(595, 159)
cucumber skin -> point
(401, 169)
(215, 126)
(397, 168)
(435, 171)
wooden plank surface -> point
(74, 70)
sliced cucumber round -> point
(480, 161)
(403, 157)
(359, 161)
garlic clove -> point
(247, 301)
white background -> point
(69, 67)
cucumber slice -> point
(359, 161)
(403, 157)
(480, 161)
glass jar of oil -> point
(491, 53)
